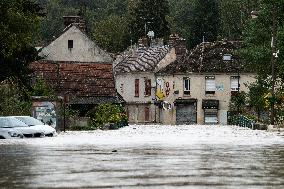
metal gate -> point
(186, 114)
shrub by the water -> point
(108, 115)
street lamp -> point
(254, 14)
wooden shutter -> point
(147, 87)
(147, 114)
(136, 87)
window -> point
(147, 87)
(234, 83)
(227, 57)
(210, 85)
(136, 87)
(70, 44)
(121, 88)
(210, 116)
(186, 86)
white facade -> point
(74, 45)
(141, 107)
(175, 90)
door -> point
(186, 114)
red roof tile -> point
(77, 79)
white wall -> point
(125, 85)
(84, 49)
(197, 89)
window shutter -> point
(234, 83)
(148, 87)
(210, 84)
(136, 87)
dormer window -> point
(227, 57)
(70, 44)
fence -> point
(235, 119)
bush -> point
(112, 116)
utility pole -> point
(273, 59)
(274, 55)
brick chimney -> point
(76, 20)
(144, 41)
(178, 43)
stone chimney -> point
(76, 20)
(178, 43)
(144, 41)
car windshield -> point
(11, 122)
(30, 121)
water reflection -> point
(143, 166)
(15, 163)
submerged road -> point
(146, 157)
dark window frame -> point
(70, 44)
(185, 91)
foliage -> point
(19, 20)
(234, 15)
(40, 88)
(112, 33)
(259, 51)
(19, 23)
(205, 22)
(12, 100)
(257, 36)
(108, 114)
(150, 14)
(238, 102)
(52, 23)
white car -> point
(48, 131)
(13, 128)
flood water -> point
(146, 157)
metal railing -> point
(240, 120)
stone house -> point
(76, 68)
(135, 76)
(197, 88)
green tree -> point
(12, 100)
(264, 36)
(234, 15)
(258, 35)
(238, 102)
(106, 114)
(205, 22)
(52, 24)
(256, 94)
(19, 23)
(149, 15)
(40, 88)
(112, 33)
(180, 18)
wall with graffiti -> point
(46, 112)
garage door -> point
(186, 114)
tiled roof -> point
(141, 59)
(77, 79)
(208, 58)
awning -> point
(185, 101)
(210, 104)
(95, 100)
